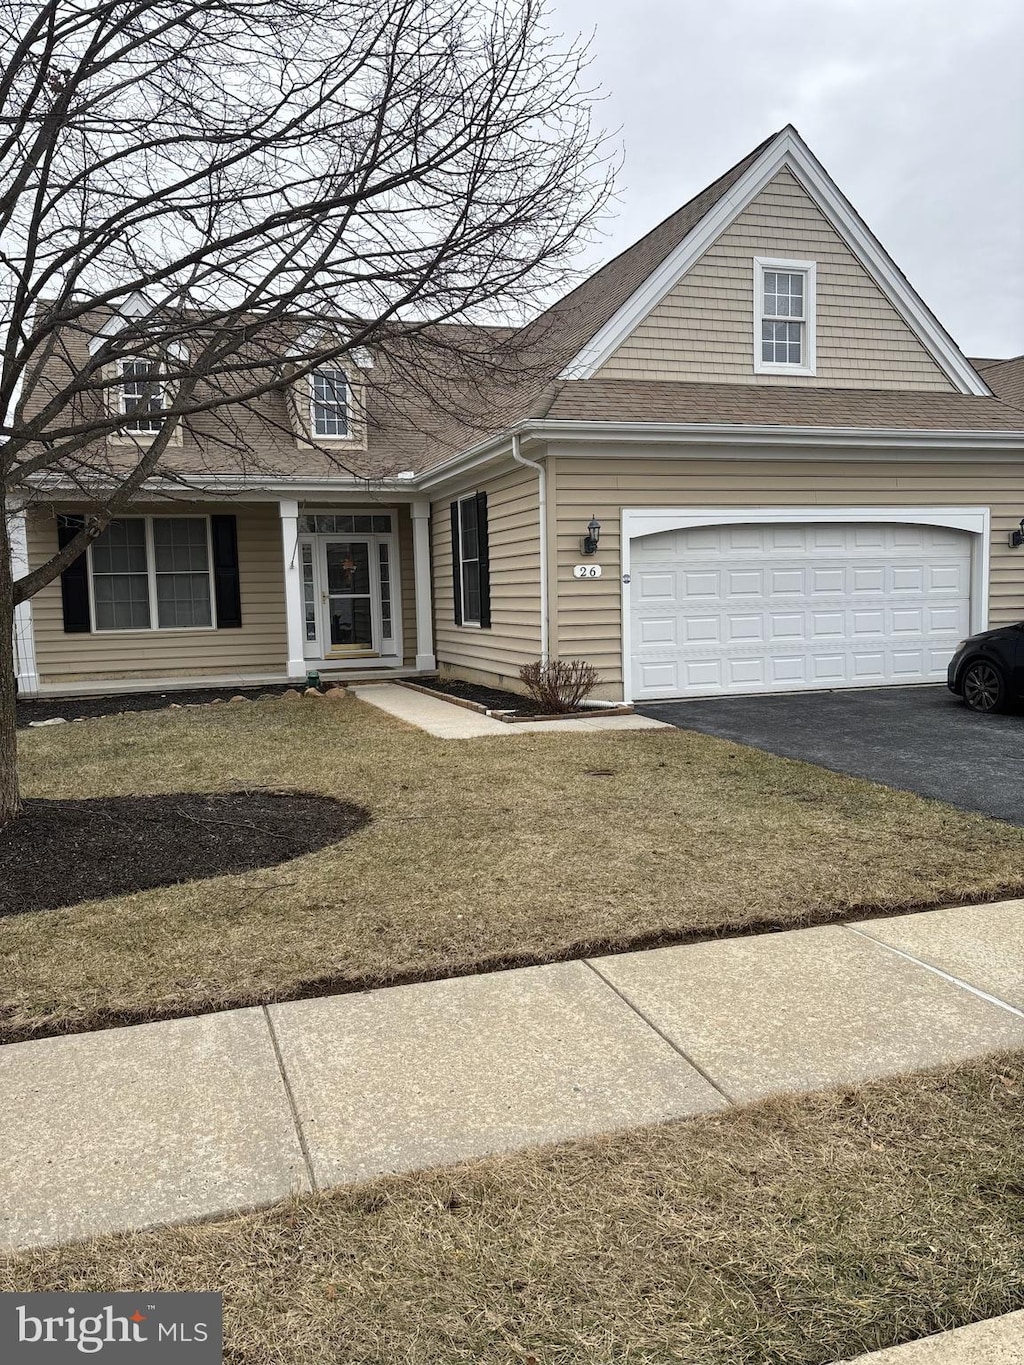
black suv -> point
(987, 670)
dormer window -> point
(329, 403)
(142, 396)
(784, 299)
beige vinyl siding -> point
(704, 328)
(258, 647)
(513, 528)
(589, 612)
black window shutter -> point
(74, 581)
(456, 564)
(485, 561)
(226, 587)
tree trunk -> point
(10, 796)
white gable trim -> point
(788, 151)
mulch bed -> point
(492, 697)
(61, 852)
(495, 699)
(88, 708)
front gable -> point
(698, 316)
(704, 327)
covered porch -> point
(357, 587)
(336, 582)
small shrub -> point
(560, 685)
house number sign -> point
(586, 571)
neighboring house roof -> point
(607, 400)
(1005, 378)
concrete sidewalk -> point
(181, 1120)
(1000, 1341)
(447, 721)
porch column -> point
(289, 510)
(24, 639)
(422, 577)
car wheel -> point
(983, 687)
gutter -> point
(742, 434)
(542, 496)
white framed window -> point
(329, 403)
(784, 309)
(469, 559)
(142, 396)
(152, 573)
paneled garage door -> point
(752, 608)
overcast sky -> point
(915, 107)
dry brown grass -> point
(479, 853)
(796, 1232)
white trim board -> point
(787, 151)
(648, 521)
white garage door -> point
(748, 608)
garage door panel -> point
(701, 629)
(789, 668)
(759, 608)
(827, 582)
(658, 585)
(658, 630)
(745, 583)
(947, 578)
(786, 625)
(951, 620)
(907, 621)
(827, 537)
(788, 582)
(745, 628)
(828, 623)
(870, 578)
(908, 578)
(702, 585)
(908, 663)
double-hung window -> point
(329, 405)
(471, 563)
(784, 340)
(142, 396)
(469, 559)
(152, 573)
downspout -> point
(542, 497)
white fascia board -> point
(242, 488)
(771, 436)
(788, 151)
(134, 306)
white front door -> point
(349, 591)
(776, 608)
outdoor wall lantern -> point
(588, 545)
(1017, 537)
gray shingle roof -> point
(604, 400)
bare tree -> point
(239, 191)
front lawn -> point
(478, 854)
(796, 1232)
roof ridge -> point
(721, 184)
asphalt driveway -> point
(920, 739)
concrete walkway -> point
(1000, 1341)
(181, 1120)
(447, 721)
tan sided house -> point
(798, 481)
